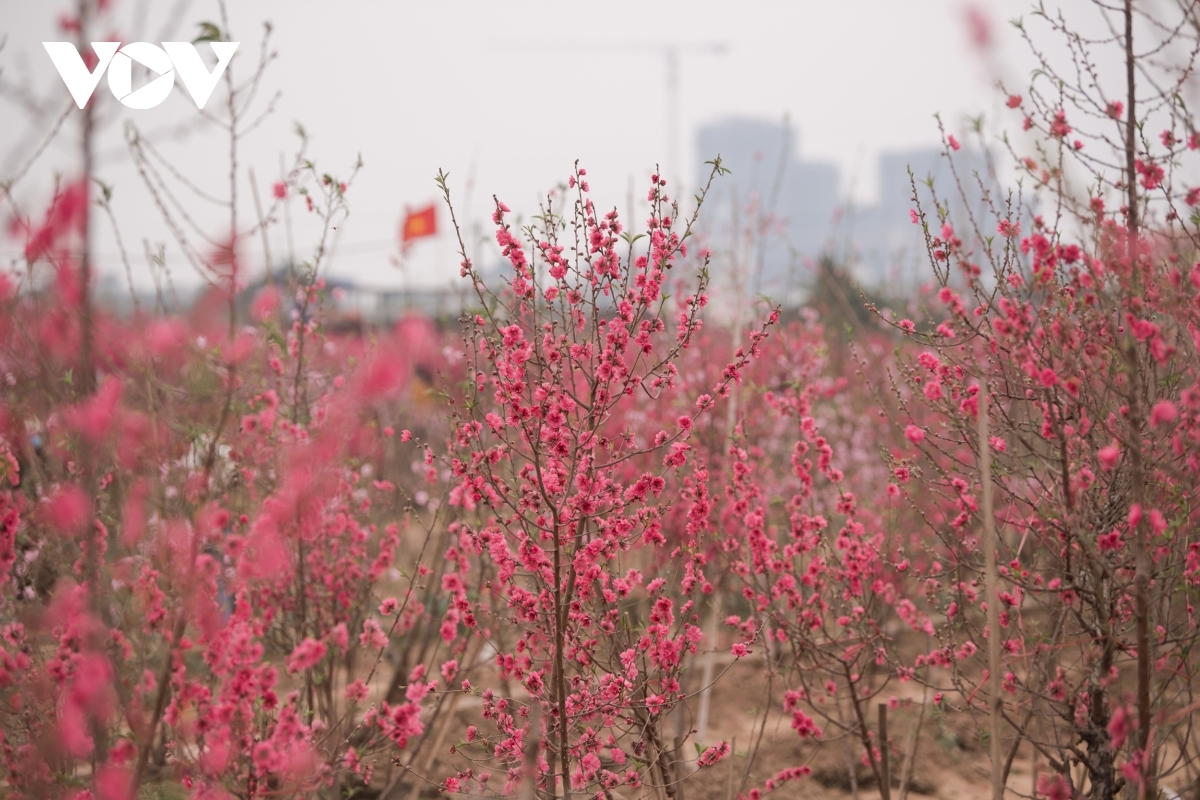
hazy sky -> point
(510, 94)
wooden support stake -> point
(992, 588)
(885, 779)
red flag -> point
(422, 222)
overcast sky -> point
(508, 95)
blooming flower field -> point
(586, 541)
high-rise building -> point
(886, 248)
(769, 221)
(773, 210)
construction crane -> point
(671, 54)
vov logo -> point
(165, 61)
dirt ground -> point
(949, 763)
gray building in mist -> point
(773, 210)
(883, 245)
(770, 221)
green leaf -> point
(208, 33)
(718, 166)
(105, 189)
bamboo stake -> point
(993, 608)
(885, 779)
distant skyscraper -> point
(770, 220)
(886, 248)
(772, 211)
